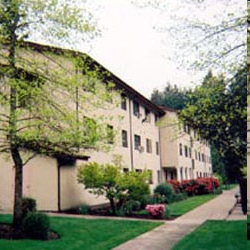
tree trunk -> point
(113, 208)
(17, 215)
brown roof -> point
(120, 84)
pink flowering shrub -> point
(203, 185)
(156, 210)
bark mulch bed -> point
(10, 233)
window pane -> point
(124, 138)
(136, 108)
(123, 102)
(137, 141)
(149, 146)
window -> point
(137, 142)
(123, 102)
(190, 152)
(196, 155)
(149, 145)
(157, 148)
(159, 176)
(28, 88)
(195, 134)
(180, 148)
(126, 170)
(191, 142)
(199, 156)
(138, 170)
(89, 131)
(203, 157)
(150, 173)
(136, 109)
(156, 119)
(147, 115)
(186, 151)
(124, 138)
(185, 128)
(110, 134)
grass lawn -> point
(79, 234)
(216, 235)
(182, 207)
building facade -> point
(128, 116)
(144, 137)
(184, 155)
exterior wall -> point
(41, 175)
(131, 158)
(72, 193)
(6, 184)
(39, 182)
(184, 156)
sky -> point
(136, 46)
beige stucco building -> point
(131, 118)
(183, 154)
(145, 136)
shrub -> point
(28, 205)
(84, 209)
(200, 186)
(166, 192)
(155, 210)
(167, 213)
(117, 187)
(176, 185)
(179, 197)
(128, 207)
(36, 225)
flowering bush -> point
(200, 186)
(176, 185)
(156, 210)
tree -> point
(218, 112)
(213, 24)
(171, 96)
(37, 92)
(118, 187)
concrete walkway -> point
(167, 235)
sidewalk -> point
(167, 235)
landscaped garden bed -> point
(175, 200)
(78, 234)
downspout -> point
(131, 136)
(58, 186)
(160, 153)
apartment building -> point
(129, 117)
(184, 155)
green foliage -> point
(79, 234)
(118, 187)
(28, 205)
(217, 111)
(171, 97)
(136, 185)
(36, 225)
(179, 196)
(84, 209)
(165, 191)
(244, 172)
(40, 85)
